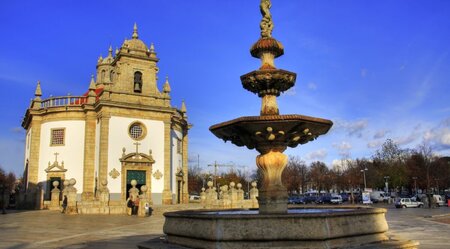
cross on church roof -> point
(56, 156)
(137, 144)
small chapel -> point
(122, 129)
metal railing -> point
(63, 101)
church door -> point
(139, 176)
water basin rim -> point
(213, 213)
(274, 118)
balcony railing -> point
(63, 101)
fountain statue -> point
(274, 225)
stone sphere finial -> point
(133, 183)
(232, 184)
(210, 183)
(66, 183)
(239, 185)
(203, 189)
(104, 182)
(72, 181)
(254, 184)
(55, 184)
(144, 188)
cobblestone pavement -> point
(50, 229)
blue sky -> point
(377, 69)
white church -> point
(124, 127)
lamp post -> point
(415, 184)
(364, 174)
(386, 183)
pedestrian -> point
(64, 204)
(130, 205)
(136, 205)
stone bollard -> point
(203, 197)
(55, 193)
(233, 195)
(240, 193)
(144, 205)
(254, 193)
(71, 192)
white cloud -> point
(317, 155)
(380, 134)
(439, 136)
(343, 149)
(341, 164)
(374, 144)
(354, 128)
(291, 91)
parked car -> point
(407, 202)
(310, 198)
(296, 200)
(345, 197)
(378, 196)
(324, 199)
(336, 199)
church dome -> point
(135, 44)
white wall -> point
(27, 146)
(119, 138)
(177, 159)
(72, 152)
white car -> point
(336, 199)
(407, 202)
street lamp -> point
(386, 183)
(415, 184)
(364, 173)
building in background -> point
(122, 128)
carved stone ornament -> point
(114, 173)
(157, 175)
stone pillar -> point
(35, 143)
(103, 157)
(240, 192)
(167, 194)
(71, 197)
(89, 157)
(55, 193)
(185, 169)
(233, 195)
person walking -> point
(64, 204)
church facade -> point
(122, 128)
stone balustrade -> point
(229, 196)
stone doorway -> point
(137, 166)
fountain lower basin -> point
(341, 227)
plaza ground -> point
(51, 229)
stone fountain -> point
(274, 225)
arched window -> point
(103, 76)
(111, 76)
(137, 82)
